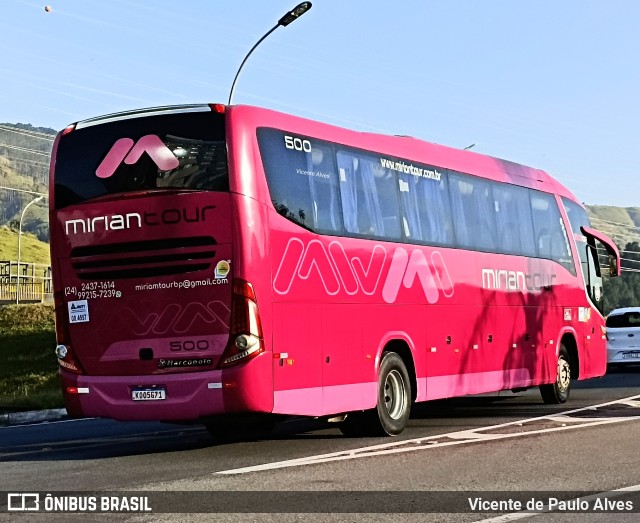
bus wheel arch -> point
(568, 341)
(396, 392)
(402, 349)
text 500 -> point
(189, 345)
(297, 144)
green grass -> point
(32, 250)
(28, 367)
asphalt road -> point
(497, 447)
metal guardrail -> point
(25, 283)
(29, 292)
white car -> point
(623, 336)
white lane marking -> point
(514, 516)
(45, 423)
(450, 439)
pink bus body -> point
(183, 302)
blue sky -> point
(547, 83)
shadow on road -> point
(101, 439)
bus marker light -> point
(68, 365)
(433, 349)
(214, 385)
(229, 384)
(68, 129)
(218, 108)
(78, 390)
(289, 361)
(475, 347)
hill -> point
(24, 165)
(32, 249)
(622, 224)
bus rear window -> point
(159, 152)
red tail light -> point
(66, 357)
(245, 334)
(218, 108)
(68, 129)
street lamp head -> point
(297, 12)
(289, 17)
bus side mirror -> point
(609, 246)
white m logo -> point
(127, 151)
(335, 272)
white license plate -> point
(631, 355)
(148, 394)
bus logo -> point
(336, 272)
(127, 151)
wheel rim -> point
(395, 396)
(564, 375)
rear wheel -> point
(391, 414)
(558, 392)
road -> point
(453, 450)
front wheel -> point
(558, 392)
(391, 414)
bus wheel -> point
(558, 392)
(391, 414)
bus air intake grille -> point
(144, 258)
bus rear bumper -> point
(187, 396)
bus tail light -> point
(64, 352)
(245, 334)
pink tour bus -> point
(213, 263)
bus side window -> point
(323, 188)
(369, 196)
(552, 238)
(514, 222)
(426, 208)
(474, 212)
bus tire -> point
(393, 408)
(394, 395)
(558, 392)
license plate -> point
(148, 394)
(631, 355)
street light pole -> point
(288, 17)
(19, 238)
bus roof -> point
(403, 147)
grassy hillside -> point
(32, 250)
(620, 223)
